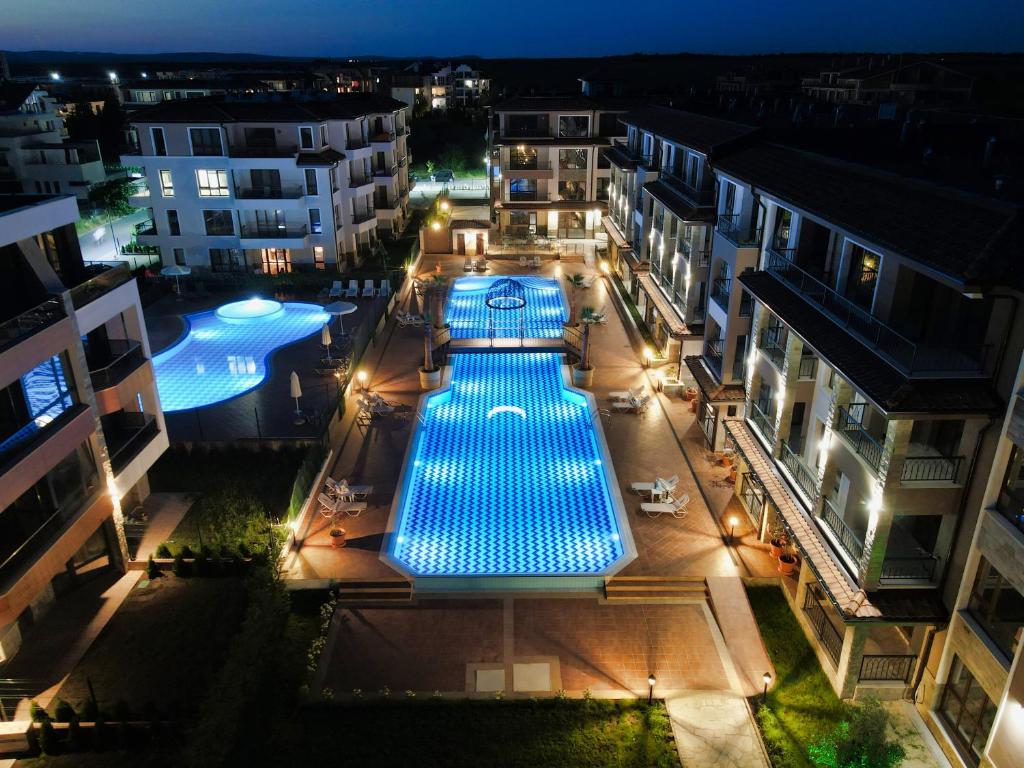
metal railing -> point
(808, 367)
(107, 275)
(258, 233)
(807, 480)
(901, 351)
(534, 166)
(830, 637)
(147, 227)
(762, 422)
(131, 432)
(913, 568)
(678, 184)
(859, 438)
(933, 469)
(125, 356)
(364, 216)
(720, 291)
(886, 668)
(713, 355)
(730, 227)
(847, 538)
(386, 170)
(769, 344)
(269, 193)
(523, 196)
(357, 142)
(356, 181)
(383, 136)
(24, 325)
(255, 151)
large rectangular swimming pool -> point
(542, 316)
(507, 474)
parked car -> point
(444, 175)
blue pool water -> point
(506, 476)
(471, 318)
(224, 353)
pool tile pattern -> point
(492, 491)
(470, 317)
(218, 360)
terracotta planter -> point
(693, 405)
(788, 564)
(338, 537)
(777, 546)
(581, 378)
(690, 394)
(430, 379)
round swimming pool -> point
(224, 352)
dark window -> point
(574, 126)
(33, 401)
(609, 125)
(179, 257)
(572, 190)
(523, 189)
(172, 223)
(159, 142)
(225, 260)
(311, 188)
(260, 138)
(206, 141)
(968, 712)
(998, 607)
(306, 137)
(219, 223)
(315, 226)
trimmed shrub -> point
(181, 568)
(48, 742)
(63, 712)
(304, 478)
(152, 570)
(90, 712)
(37, 713)
(186, 552)
(164, 552)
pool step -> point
(654, 588)
(388, 590)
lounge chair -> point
(406, 319)
(354, 492)
(677, 507)
(385, 288)
(536, 262)
(335, 292)
(368, 289)
(338, 505)
(481, 265)
(660, 486)
(353, 289)
(522, 261)
(588, 281)
(636, 404)
(629, 394)
(467, 265)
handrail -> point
(911, 568)
(254, 232)
(742, 237)
(269, 193)
(142, 428)
(109, 275)
(763, 423)
(849, 540)
(24, 325)
(852, 430)
(720, 290)
(807, 480)
(126, 357)
(931, 469)
(769, 344)
(713, 354)
(831, 638)
(895, 667)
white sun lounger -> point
(336, 290)
(629, 394)
(341, 489)
(368, 289)
(637, 404)
(522, 261)
(678, 508)
(353, 289)
(660, 486)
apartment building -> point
(550, 176)
(457, 87)
(35, 155)
(881, 314)
(661, 216)
(272, 185)
(80, 419)
(146, 92)
(921, 83)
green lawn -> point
(162, 646)
(802, 706)
(549, 733)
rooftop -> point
(698, 132)
(555, 103)
(261, 109)
(955, 233)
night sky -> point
(510, 28)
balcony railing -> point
(147, 227)
(735, 232)
(859, 439)
(269, 193)
(386, 170)
(877, 668)
(713, 355)
(720, 291)
(849, 540)
(908, 356)
(523, 196)
(255, 232)
(363, 216)
(931, 469)
(24, 325)
(106, 276)
(357, 142)
(126, 434)
(697, 258)
(359, 181)
(769, 344)
(913, 568)
(807, 480)
(125, 356)
(698, 196)
(830, 637)
(256, 151)
(808, 367)
(762, 422)
(383, 136)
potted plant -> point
(788, 563)
(337, 536)
(583, 371)
(575, 286)
(778, 541)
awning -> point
(713, 391)
(673, 320)
(613, 232)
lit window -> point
(212, 183)
(318, 257)
(166, 184)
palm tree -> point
(575, 285)
(435, 296)
(589, 318)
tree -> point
(112, 195)
(589, 318)
(859, 741)
(575, 286)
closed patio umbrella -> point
(325, 339)
(295, 388)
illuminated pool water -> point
(471, 318)
(507, 475)
(224, 353)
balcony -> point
(720, 291)
(519, 197)
(255, 232)
(126, 434)
(772, 349)
(363, 217)
(386, 170)
(931, 469)
(831, 638)
(147, 227)
(808, 367)
(886, 668)
(908, 356)
(355, 182)
(848, 540)
(853, 432)
(713, 356)
(356, 143)
(697, 258)
(107, 275)
(698, 196)
(805, 478)
(742, 236)
(534, 166)
(260, 152)
(122, 357)
(913, 568)
(383, 137)
(24, 325)
(763, 423)
(269, 193)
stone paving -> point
(714, 730)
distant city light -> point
(112, 75)
(145, 75)
(55, 76)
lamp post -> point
(361, 378)
(732, 529)
(651, 680)
(767, 677)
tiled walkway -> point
(714, 730)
